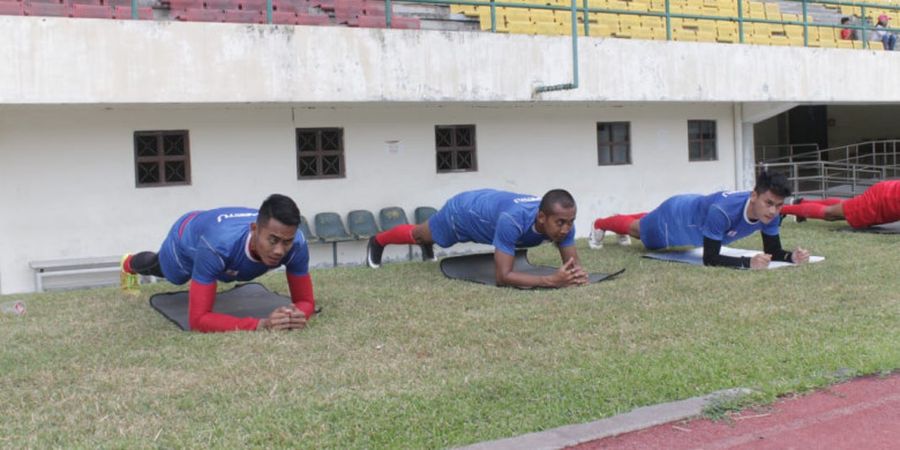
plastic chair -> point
(423, 213)
(361, 224)
(392, 216)
(304, 228)
(330, 229)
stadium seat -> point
(284, 18)
(294, 6)
(92, 11)
(221, 4)
(201, 15)
(87, 2)
(11, 9)
(124, 13)
(304, 228)
(181, 5)
(331, 230)
(423, 213)
(313, 19)
(392, 216)
(238, 16)
(361, 224)
(47, 9)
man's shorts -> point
(443, 225)
(177, 269)
(660, 230)
(874, 206)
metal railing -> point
(829, 179)
(668, 15)
(788, 152)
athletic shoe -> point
(373, 253)
(428, 252)
(595, 239)
(128, 282)
(624, 239)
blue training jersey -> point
(502, 219)
(215, 245)
(721, 216)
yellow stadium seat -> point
(843, 43)
(706, 36)
(876, 45)
(521, 27)
(653, 22)
(757, 11)
(602, 30)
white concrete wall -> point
(67, 174)
(83, 61)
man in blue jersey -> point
(503, 219)
(711, 221)
(234, 244)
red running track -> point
(856, 415)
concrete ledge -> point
(637, 419)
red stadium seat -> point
(410, 23)
(182, 5)
(252, 5)
(407, 23)
(47, 9)
(296, 6)
(92, 11)
(87, 2)
(284, 18)
(238, 16)
(11, 9)
(201, 15)
(313, 19)
(221, 4)
(124, 13)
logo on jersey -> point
(234, 216)
(732, 233)
(231, 273)
(526, 199)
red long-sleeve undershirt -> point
(202, 297)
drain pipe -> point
(574, 83)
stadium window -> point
(320, 153)
(162, 158)
(702, 140)
(456, 148)
(613, 143)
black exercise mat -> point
(243, 300)
(479, 268)
(887, 228)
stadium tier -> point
(758, 22)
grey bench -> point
(82, 272)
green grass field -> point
(403, 358)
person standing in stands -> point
(503, 219)
(233, 244)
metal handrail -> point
(668, 15)
(829, 177)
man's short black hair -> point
(555, 197)
(845, 19)
(281, 208)
(775, 183)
